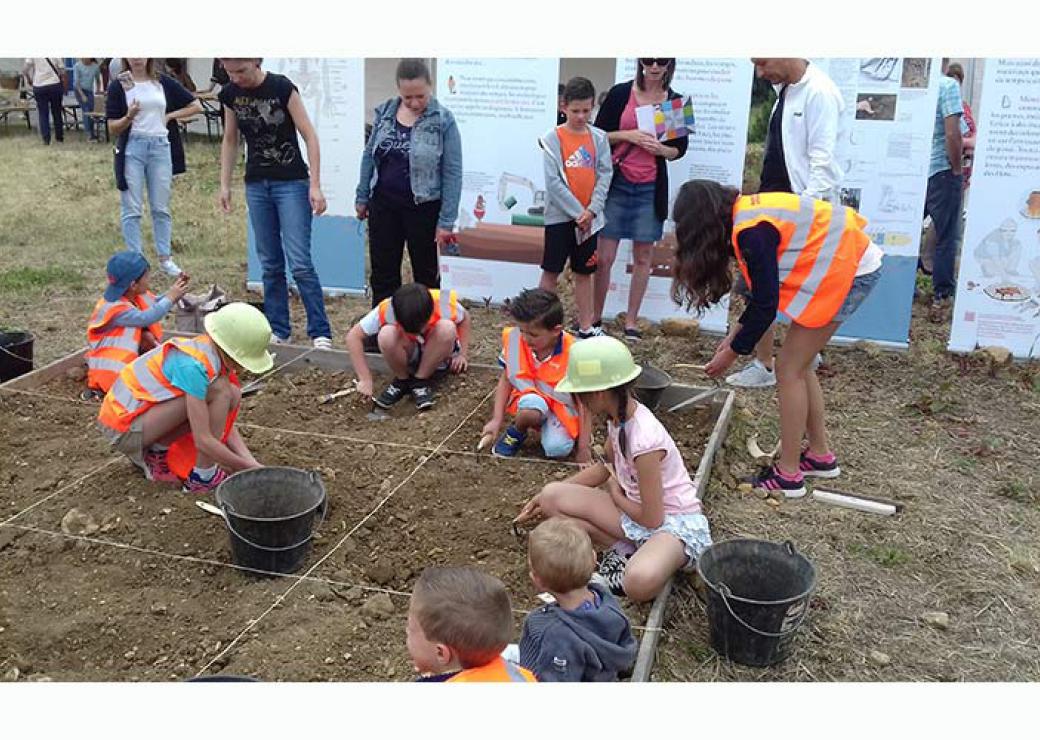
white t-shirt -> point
(42, 74)
(151, 119)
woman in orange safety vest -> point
(806, 258)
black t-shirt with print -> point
(272, 146)
(394, 181)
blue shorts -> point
(556, 442)
(858, 293)
(630, 212)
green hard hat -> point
(243, 333)
(596, 364)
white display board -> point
(501, 107)
(998, 286)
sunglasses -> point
(651, 61)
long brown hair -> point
(703, 216)
(666, 79)
(620, 394)
(150, 67)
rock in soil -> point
(11, 675)
(939, 620)
(379, 606)
(680, 327)
(879, 658)
(76, 522)
(380, 573)
(7, 536)
(352, 595)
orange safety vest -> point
(142, 384)
(820, 249)
(527, 377)
(445, 305)
(110, 347)
(499, 670)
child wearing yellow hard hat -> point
(172, 411)
(641, 503)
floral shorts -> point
(690, 529)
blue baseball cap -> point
(124, 268)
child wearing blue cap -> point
(125, 320)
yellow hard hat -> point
(243, 333)
(596, 364)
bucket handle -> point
(265, 548)
(725, 593)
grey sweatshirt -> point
(560, 204)
(582, 645)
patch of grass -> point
(698, 651)
(887, 556)
(33, 278)
(1017, 491)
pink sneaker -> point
(195, 484)
(157, 469)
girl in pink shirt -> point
(640, 503)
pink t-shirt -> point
(643, 434)
(637, 164)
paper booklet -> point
(668, 120)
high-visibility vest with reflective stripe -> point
(527, 377)
(142, 384)
(445, 306)
(819, 252)
(109, 347)
(499, 670)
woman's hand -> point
(318, 204)
(444, 236)
(132, 110)
(225, 200)
(361, 209)
(721, 362)
(459, 363)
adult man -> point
(945, 191)
(799, 158)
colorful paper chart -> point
(668, 120)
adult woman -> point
(142, 109)
(637, 204)
(44, 74)
(411, 182)
(87, 81)
(282, 191)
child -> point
(282, 190)
(805, 257)
(584, 636)
(578, 169)
(534, 359)
(172, 411)
(125, 321)
(420, 331)
(459, 621)
(642, 497)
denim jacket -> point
(434, 160)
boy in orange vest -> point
(421, 331)
(459, 621)
(172, 411)
(125, 320)
(534, 359)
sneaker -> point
(612, 571)
(92, 395)
(633, 335)
(509, 443)
(937, 311)
(771, 479)
(814, 468)
(391, 394)
(275, 339)
(170, 267)
(423, 395)
(595, 331)
(322, 343)
(158, 469)
(195, 484)
(754, 375)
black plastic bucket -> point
(650, 384)
(758, 596)
(271, 515)
(16, 354)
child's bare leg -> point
(550, 281)
(394, 346)
(437, 348)
(764, 348)
(642, 264)
(606, 252)
(792, 369)
(591, 508)
(816, 428)
(583, 299)
(220, 399)
(652, 565)
(164, 422)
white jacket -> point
(810, 130)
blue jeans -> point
(86, 106)
(943, 204)
(148, 164)
(280, 213)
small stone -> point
(380, 573)
(745, 488)
(939, 620)
(369, 451)
(330, 661)
(76, 522)
(481, 554)
(8, 536)
(12, 674)
(379, 606)
(689, 328)
(76, 374)
(997, 355)
(879, 658)
(760, 493)
(167, 510)
(324, 593)
(159, 610)
(773, 502)
(352, 595)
